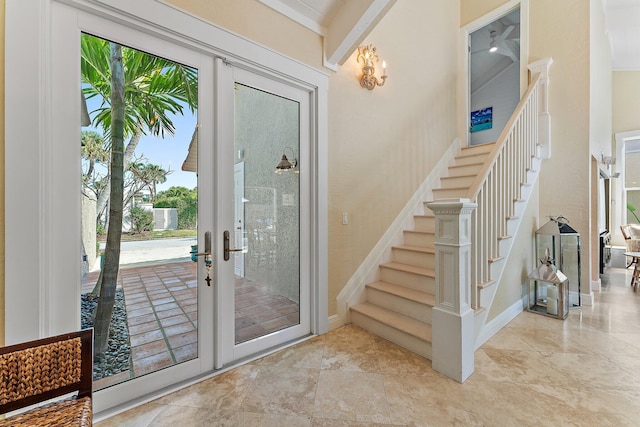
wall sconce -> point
(285, 164)
(608, 161)
(369, 57)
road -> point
(148, 251)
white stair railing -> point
(498, 185)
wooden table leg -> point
(635, 279)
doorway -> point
(494, 77)
(288, 250)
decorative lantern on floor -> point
(548, 290)
(563, 244)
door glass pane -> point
(143, 264)
(267, 213)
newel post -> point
(452, 317)
(544, 118)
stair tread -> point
(411, 248)
(486, 145)
(404, 292)
(460, 176)
(410, 269)
(451, 188)
(395, 320)
(419, 231)
(467, 165)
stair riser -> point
(409, 308)
(419, 259)
(467, 160)
(465, 170)
(409, 280)
(462, 181)
(424, 223)
(425, 240)
(446, 193)
(403, 339)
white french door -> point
(264, 214)
(272, 290)
(168, 303)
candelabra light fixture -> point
(369, 57)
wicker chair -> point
(38, 371)
(631, 234)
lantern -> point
(548, 290)
(563, 244)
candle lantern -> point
(548, 290)
(563, 244)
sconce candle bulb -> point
(369, 57)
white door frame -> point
(42, 220)
(465, 33)
(619, 199)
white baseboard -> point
(500, 321)
(596, 285)
(587, 299)
(335, 322)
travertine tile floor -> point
(583, 371)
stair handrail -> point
(496, 195)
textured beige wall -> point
(473, 9)
(626, 102)
(600, 90)
(561, 30)
(255, 21)
(521, 261)
(2, 3)
(382, 143)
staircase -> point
(398, 306)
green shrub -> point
(141, 220)
(185, 204)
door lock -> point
(226, 244)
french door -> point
(164, 289)
(262, 261)
(242, 284)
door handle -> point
(207, 245)
(226, 245)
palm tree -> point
(150, 175)
(155, 175)
(138, 93)
(94, 149)
(111, 263)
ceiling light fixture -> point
(492, 46)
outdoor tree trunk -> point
(104, 196)
(106, 300)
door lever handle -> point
(226, 244)
(207, 245)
